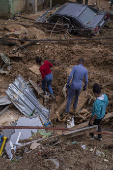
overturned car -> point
(76, 18)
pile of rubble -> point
(36, 116)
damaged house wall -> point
(36, 5)
(8, 8)
(17, 6)
(4, 9)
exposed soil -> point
(98, 56)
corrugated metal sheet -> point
(25, 100)
(4, 100)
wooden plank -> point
(60, 110)
(81, 131)
(81, 101)
(36, 87)
(52, 111)
(35, 69)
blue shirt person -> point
(99, 108)
(77, 74)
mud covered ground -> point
(98, 56)
(67, 156)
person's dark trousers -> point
(71, 94)
(86, 2)
(96, 122)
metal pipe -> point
(34, 127)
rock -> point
(34, 33)
(15, 27)
(34, 145)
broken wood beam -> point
(37, 88)
(81, 101)
(52, 111)
(60, 110)
(82, 131)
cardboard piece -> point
(35, 69)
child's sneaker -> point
(92, 138)
(100, 139)
(96, 137)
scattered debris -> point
(5, 64)
(25, 134)
(98, 153)
(56, 163)
(34, 145)
(70, 122)
(105, 160)
(91, 149)
(83, 146)
(74, 142)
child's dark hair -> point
(38, 60)
(96, 88)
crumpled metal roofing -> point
(25, 100)
(4, 100)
